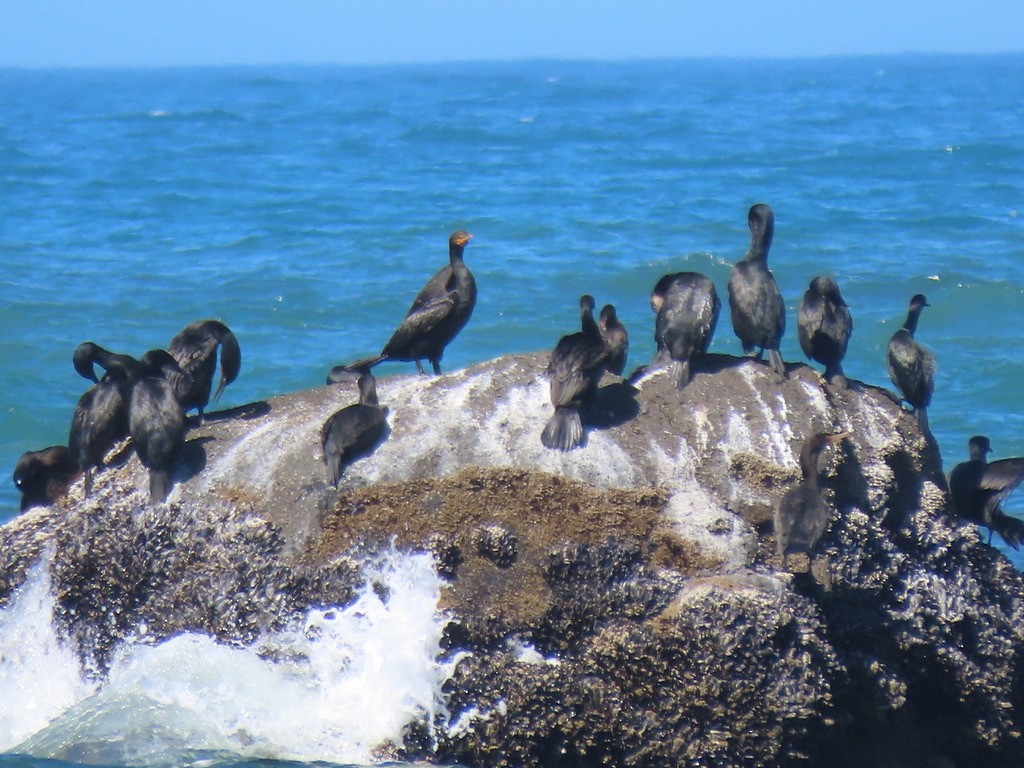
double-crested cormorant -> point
(687, 308)
(156, 420)
(100, 420)
(576, 365)
(616, 337)
(88, 355)
(911, 366)
(440, 311)
(44, 476)
(354, 431)
(803, 515)
(758, 312)
(979, 487)
(195, 351)
(824, 326)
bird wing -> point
(436, 287)
(1001, 477)
(421, 321)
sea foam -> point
(343, 685)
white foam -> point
(342, 687)
(39, 676)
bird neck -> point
(912, 317)
(455, 253)
(589, 325)
(809, 467)
(760, 241)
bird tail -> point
(776, 357)
(333, 462)
(922, 419)
(564, 430)
(682, 373)
(1011, 529)
(87, 483)
(159, 485)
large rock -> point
(623, 603)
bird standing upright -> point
(441, 309)
(911, 366)
(577, 364)
(755, 302)
(824, 326)
(802, 515)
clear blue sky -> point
(171, 32)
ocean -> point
(305, 206)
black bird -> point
(758, 312)
(911, 366)
(156, 420)
(802, 515)
(100, 420)
(616, 337)
(88, 355)
(687, 308)
(577, 363)
(195, 351)
(979, 487)
(824, 326)
(354, 431)
(441, 309)
(44, 476)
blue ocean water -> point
(305, 207)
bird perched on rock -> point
(100, 420)
(687, 309)
(156, 420)
(824, 327)
(195, 351)
(577, 363)
(978, 488)
(616, 337)
(354, 431)
(911, 366)
(44, 476)
(441, 309)
(802, 515)
(758, 312)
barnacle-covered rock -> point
(618, 605)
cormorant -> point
(616, 337)
(354, 431)
(87, 355)
(758, 312)
(911, 366)
(439, 312)
(100, 420)
(824, 325)
(195, 351)
(687, 308)
(576, 365)
(979, 487)
(156, 420)
(802, 515)
(44, 476)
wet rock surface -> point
(621, 604)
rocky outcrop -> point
(621, 604)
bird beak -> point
(839, 437)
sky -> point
(103, 33)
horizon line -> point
(797, 57)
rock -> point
(622, 603)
